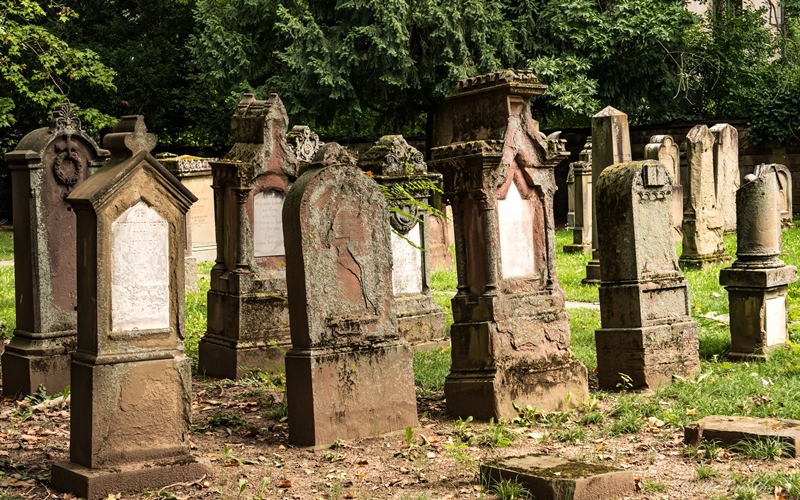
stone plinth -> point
(730, 431)
(647, 331)
(348, 373)
(248, 316)
(131, 379)
(402, 171)
(510, 334)
(47, 165)
(703, 222)
(662, 148)
(757, 283)
(726, 172)
(582, 232)
(611, 143)
(552, 478)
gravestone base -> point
(553, 478)
(758, 309)
(649, 355)
(28, 363)
(730, 430)
(419, 319)
(592, 272)
(92, 484)
(244, 330)
(349, 392)
(491, 393)
(577, 248)
(703, 262)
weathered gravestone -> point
(46, 166)
(131, 379)
(726, 172)
(248, 314)
(733, 430)
(348, 374)
(785, 186)
(757, 283)
(395, 165)
(440, 242)
(571, 197)
(662, 148)
(511, 332)
(611, 143)
(648, 333)
(582, 232)
(703, 223)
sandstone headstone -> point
(47, 165)
(394, 164)
(571, 197)
(248, 314)
(732, 430)
(547, 477)
(662, 148)
(647, 330)
(726, 171)
(757, 282)
(582, 232)
(348, 374)
(131, 379)
(440, 243)
(511, 332)
(703, 223)
(611, 143)
(785, 186)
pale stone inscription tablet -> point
(268, 224)
(407, 263)
(516, 234)
(139, 270)
(776, 321)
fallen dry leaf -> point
(691, 411)
(350, 494)
(285, 484)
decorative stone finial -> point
(304, 142)
(332, 154)
(393, 156)
(64, 117)
(129, 137)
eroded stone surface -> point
(582, 232)
(548, 477)
(663, 149)
(731, 430)
(726, 171)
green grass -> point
(8, 320)
(6, 245)
(583, 322)
(571, 268)
(196, 310)
(443, 288)
(430, 369)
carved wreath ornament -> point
(68, 163)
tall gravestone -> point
(647, 330)
(571, 197)
(47, 165)
(511, 333)
(394, 164)
(703, 223)
(726, 172)
(348, 374)
(611, 143)
(758, 280)
(131, 379)
(248, 316)
(662, 148)
(582, 232)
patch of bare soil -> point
(239, 430)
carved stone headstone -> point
(247, 311)
(647, 330)
(703, 224)
(131, 379)
(440, 243)
(395, 165)
(348, 374)
(726, 171)
(662, 148)
(757, 282)
(511, 332)
(611, 143)
(582, 232)
(571, 197)
(47, 165)
(785, 187)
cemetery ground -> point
(241, 427)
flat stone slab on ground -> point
(729, 430)
(552, 478)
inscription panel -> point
(407, 263)
(268, 224)
(776, 321)
(139, 270)
(516, 234)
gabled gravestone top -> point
(247, 310)
(131, 379)
(47, 165)
(348, 374)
